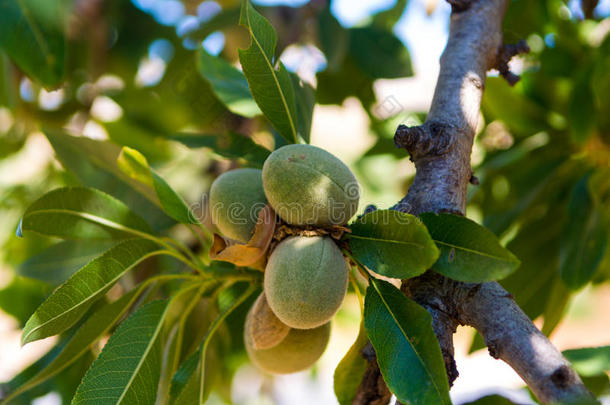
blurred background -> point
(134, 74)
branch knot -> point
(430, 139)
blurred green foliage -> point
(544, 144)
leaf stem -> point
(213, 327)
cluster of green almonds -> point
(305, 282)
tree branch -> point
(440, 149)
(512, 337)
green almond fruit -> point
(306, 185)
(305, 281)
(298, 351)
(236, 198)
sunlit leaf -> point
(350, 370)
(589, 361)
(135, 165)
(94, 163)
(228, 83)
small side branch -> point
(505, 54)
(430, 139)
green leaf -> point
(469, 252)
(82, 213)
(334, 39)
(347, 79)
(379, 54)
(228, 84)
(305, 100)
(581, 110)
(348, 374)
(128, 368)
(271, 88)
(388, 18)
(584, 238)
(491, 400)
(188, 384)
(519, 113)
(73, 298)
(529, 285)
(57, 263)
(93, 329)
(393, 244)
(556, 305)
(25, 291)
(408, 352)
(35, 46)
(231, 146)
(589, 361)
(94, 163)
(135, 165)
(226, 18)
(174, 348)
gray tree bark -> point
(440, 149)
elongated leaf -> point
(58, 262)
(188, 384)
(529, 285)
(128, 369)
(173, 351)
(93, 329)
(393, 244)
(469, 252)
(556, 305)
(228, 84)
(82, 213)
(408, 352)
(271, 88)
(348, 374)
(305, 100)
(230, 145)
(584, 239)
(333, 38)
(35, 46)
(134, 164)
(94, 163)
(590, 361)
(72, 299)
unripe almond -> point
(264, 328)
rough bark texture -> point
(440, 149)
